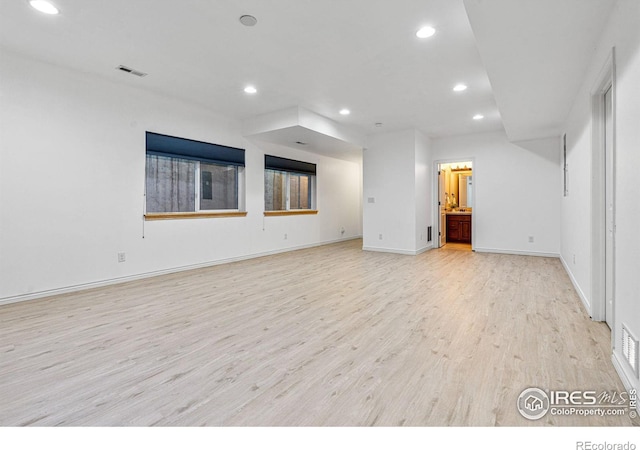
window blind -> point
(289, 165)
(175, 147)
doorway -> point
(455, 203)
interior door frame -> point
(599, 174)
(436, 196)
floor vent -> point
(630, 349)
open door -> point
(441, 209)
(609, 203)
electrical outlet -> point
(122, 257)
(380, 236)
(574, 259)
(342, 230)
(285, 236)
(421, 236)
(371, 200)
(530, 239)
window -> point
(189, 177)
(170, 184)
(289, 185)
(299, 192)
(278, 184)
(275, 190)
(219, 187)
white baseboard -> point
(424, 249)
(628, 385)
(397, 251)
(583, 297)
(516, 252)
(112, 281)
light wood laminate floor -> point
(324, 336)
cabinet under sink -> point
(459, 227)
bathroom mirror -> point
(465, 190)
(456, 185)
(461, 188)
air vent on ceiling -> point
(131, 71)
(630, 349)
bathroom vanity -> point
(459, 226)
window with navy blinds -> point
(184, 175)
(288, 184)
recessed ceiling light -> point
(460, 87)
(378, 124)
(345, 112)
(478, 117)
(44, 7)
(250, 90)
(425, 32)
(248, 21)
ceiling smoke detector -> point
(248, 21)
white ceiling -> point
(536, 53)
(303, 129)
(324, 55)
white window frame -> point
(240, 181)
(239, 187)
(312, 191)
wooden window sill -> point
(193, 215)
(291, 212)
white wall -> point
(423, 192)
(517, 191)
(623, 33)
(396, 174)
(72, 160)
(388, 178)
